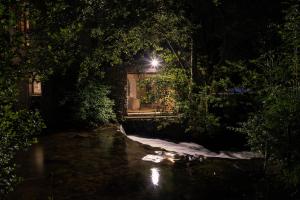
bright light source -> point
(154, 63)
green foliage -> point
(94, 106)
(200, 120)
(17, 129)
(274, 129)
(102, 33)
(290, 35)
(17, 126)
(98, 34)
(163, 89)
(118, 41)
(212, 93)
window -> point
(35, 86)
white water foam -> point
(121, 129)
(192, 149)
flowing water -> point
(192, 149)
(107, 165)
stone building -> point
(133, 91)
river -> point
(106, 164)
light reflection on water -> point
(155, 176)
(39, 159)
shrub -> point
(17, 129)
(274, 132)
(94, 106)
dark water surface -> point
(106, 165)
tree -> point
(17, 126)
(99, 34)
(274, 129)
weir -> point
(192, 151)
(164, 126)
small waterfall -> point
(188, 149)
(121, 129)
(171, 150)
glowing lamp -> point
(154, 63)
